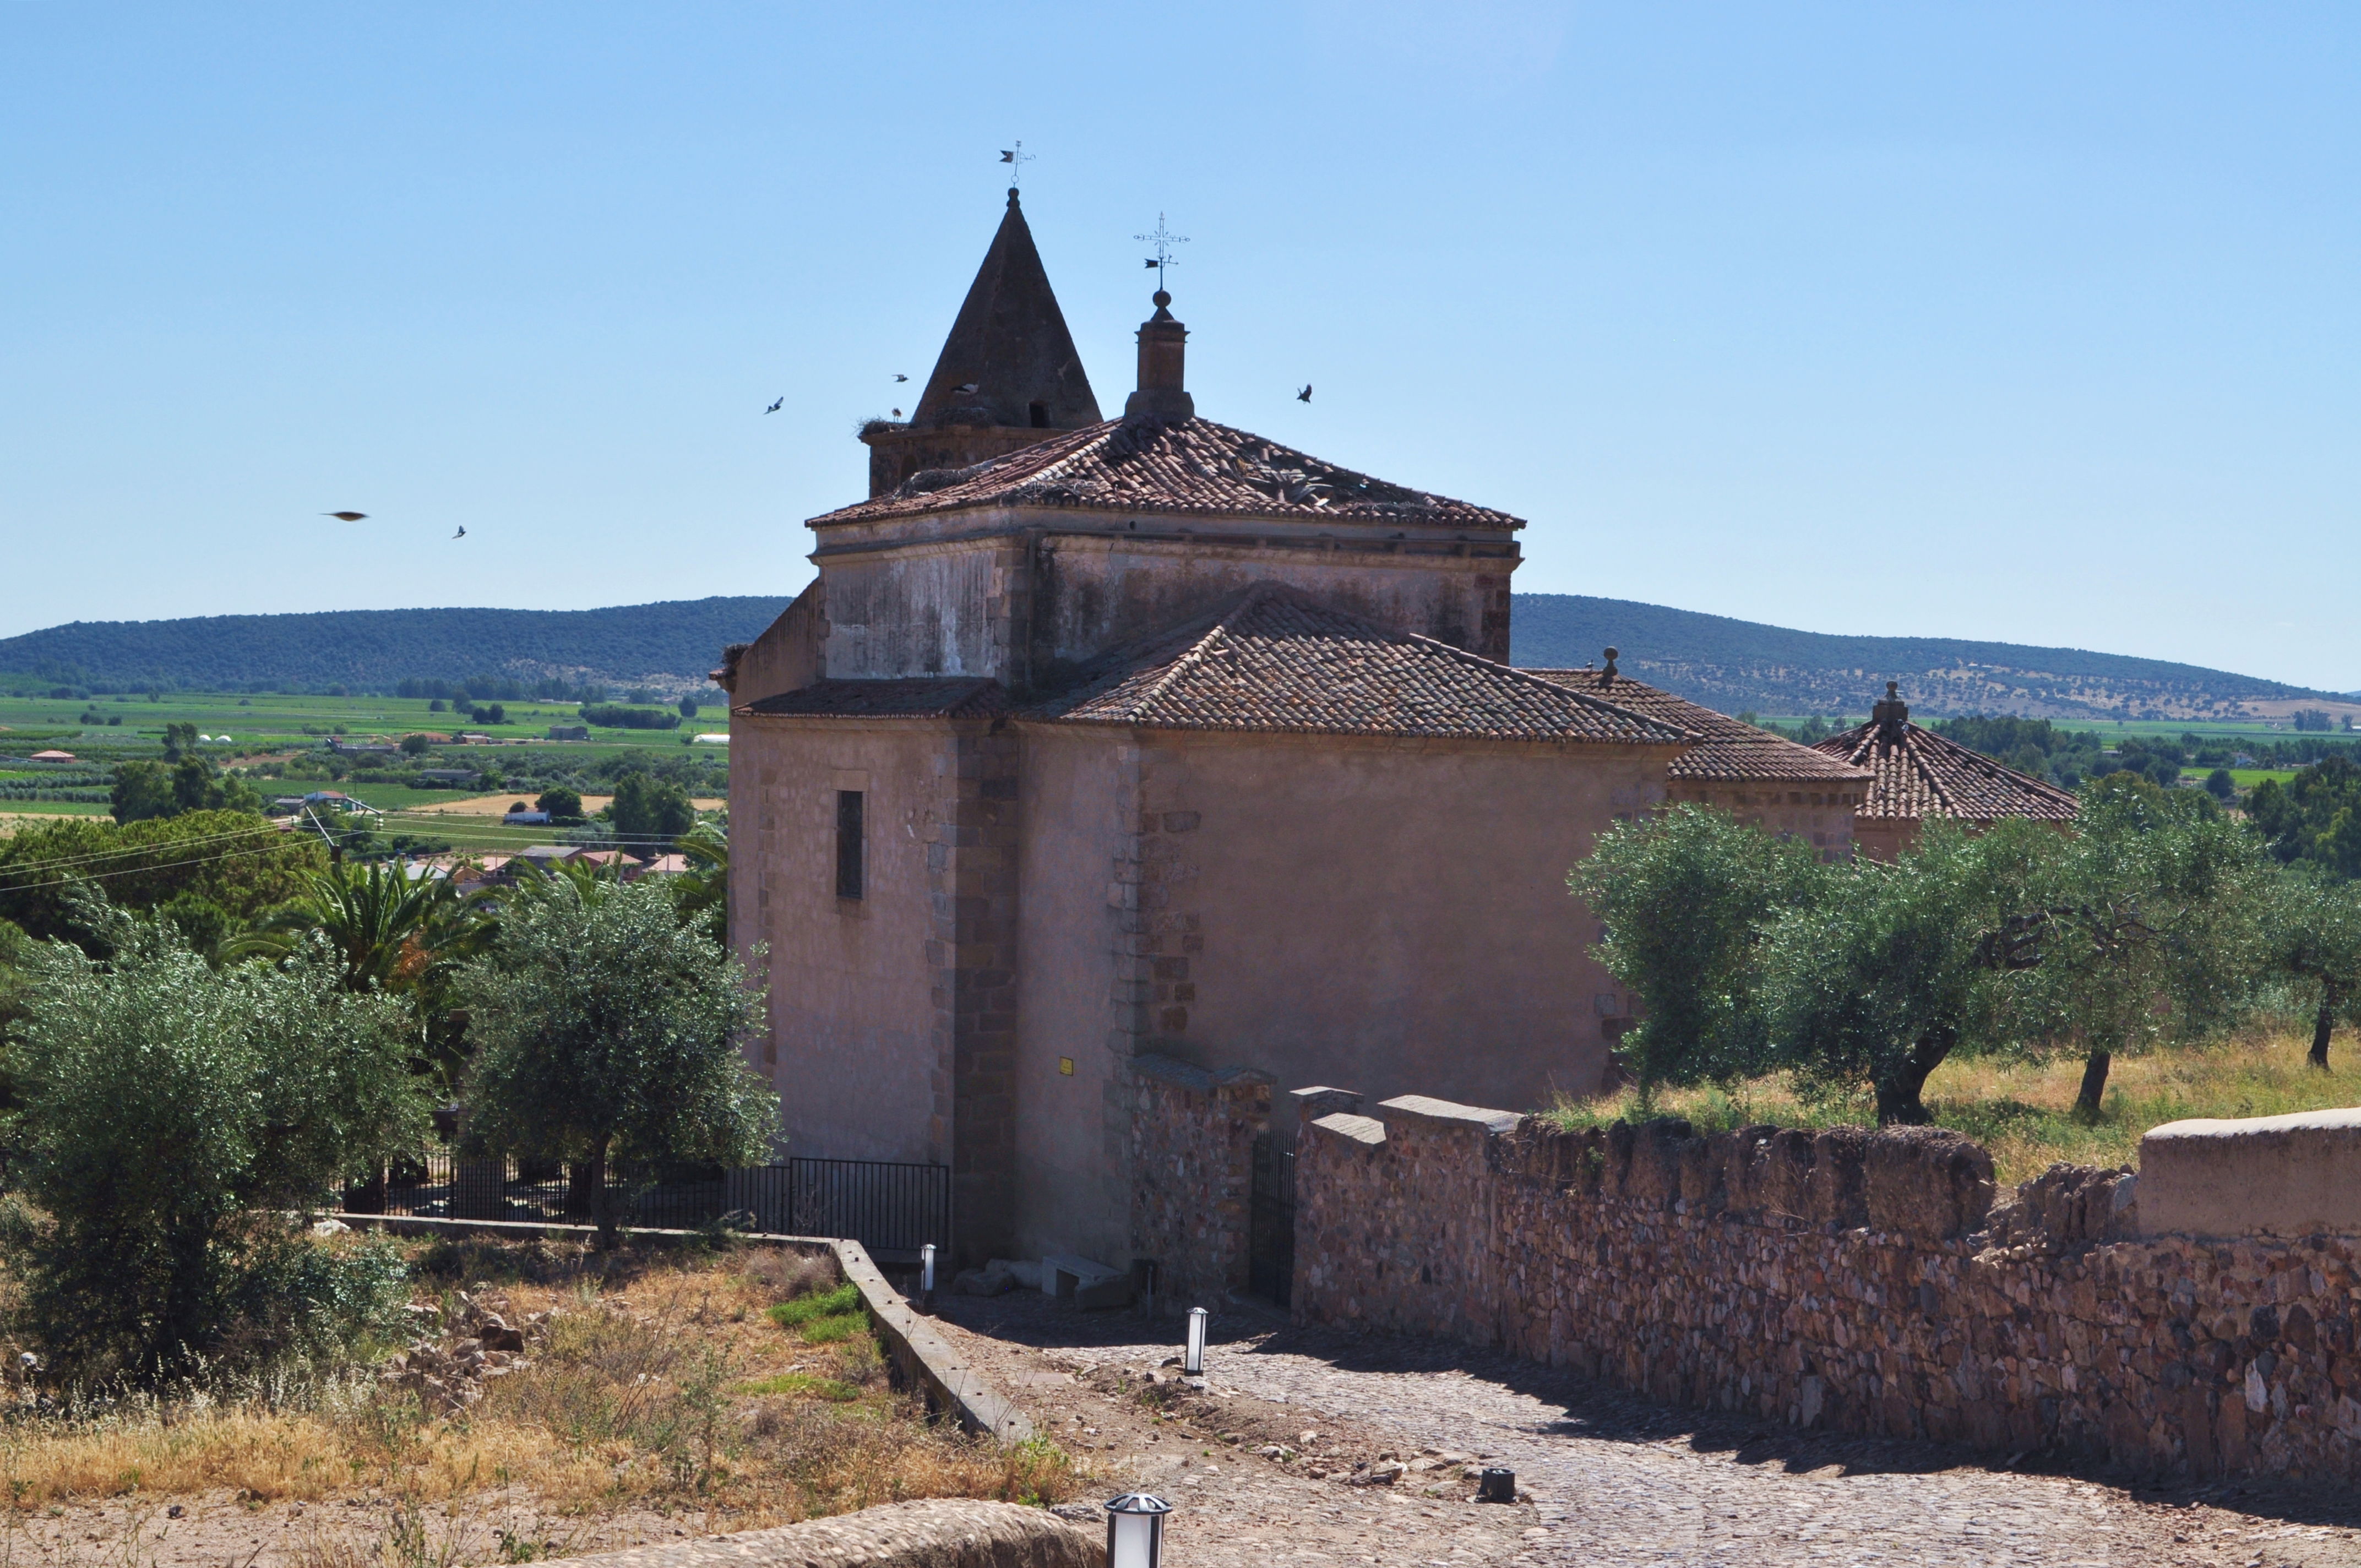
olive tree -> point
(2154, 929)
(1685, 899)
(2312, 933)
(1877, 984)
(607, 1034)
(175, 1120)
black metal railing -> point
(890, 1207)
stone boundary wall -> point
(941, 1532)
(1843, 1278)
(920, 1354)
(1192, 1134)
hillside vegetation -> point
(665, 647)
(1736, 666)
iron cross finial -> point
(1017, 158)
(1164, 242)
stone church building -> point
(1107, 752)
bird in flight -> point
(899, 377)
(1304, 396)
(964, 387)
(462, 533)
(346, 516)
(774, 407)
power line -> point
(135, 871)
(148, 849)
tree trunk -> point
(602, 1203)
(2094, 1085)
(1898, 1101)
(2322, 1026)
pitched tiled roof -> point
(932, 696)
(1918, 775)
(1189, 467)
(1270, 659)
(1730, 749)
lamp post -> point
(1136, 1531)
(927, 1275)
(1192, 1359)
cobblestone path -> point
(1612, 1481)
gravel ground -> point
(1603, 1479)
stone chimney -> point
(1891, 715)
(1163, 352)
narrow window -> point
(848, 843)
(1040, 413)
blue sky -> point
(2026, 322)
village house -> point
(1916, 775)
(1762, 779)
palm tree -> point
(703, 891)
(390, 929)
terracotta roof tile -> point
(1730, 749)
(1270, 659)
(1918, 775)
(1188, 467)
(945, 696)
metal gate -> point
(1270, 1215)
(890, 1208)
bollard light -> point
(927, 1274)
(1495, 1484)
(1136, 1531)
(1193, 1360)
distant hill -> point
(667, 647)
(1737, 666)
(1733, 666)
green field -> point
(2110, 731)
(270, 721)
(280, 743)
(2245, 778)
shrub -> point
(615, 715)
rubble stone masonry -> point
(1842, 1278)
(1192, 1166)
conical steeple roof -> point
(1010, 342)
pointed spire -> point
(1010, 345)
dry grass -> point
(664, 1386)
(2023, 1111)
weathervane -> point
(1164, 243)
(1017, 158)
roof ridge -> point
(1193, 655)
(1196, 466)
(1922, 764)
(1288, 594)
